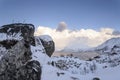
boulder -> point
(15, 53)
(16, 65)
(17, 31)
(18, 61)
(47, 43)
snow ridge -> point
(110, 43)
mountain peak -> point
(110, 43)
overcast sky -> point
(77, 14)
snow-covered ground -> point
(104, 66)
(52, 73)
(14, 36)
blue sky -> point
(78, 14)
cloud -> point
(116, 33)
(82, 38)
(62, 26)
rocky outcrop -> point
(48, 44)
(18, 31)
(16, 62)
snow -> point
(20, 24)
(72, 68)
(111, 73)
(4, 36)
(75, 69)
(46, 38)
(109, 43)
(31, 26)
(75, 48)
(39, 55)
(8, 29)
(49, 73)
(106, 74)
(3, 51)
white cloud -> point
(62, 26)
(81, 38)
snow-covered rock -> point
(17, 31)
(21, 54)
(24, 56)
(47, 42)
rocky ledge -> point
(16, 61)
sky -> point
(75, 24)
(92, 14)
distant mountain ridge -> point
(107, 45)
(111, 45)
(108, 58)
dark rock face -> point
(8, 43)
(49, 46)
(15, 54)
(96, 78)
(15, 64)
(27, 30)
(31, 71)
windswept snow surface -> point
(106, 67)
(110, 73)
(50, 72)
(110, 43)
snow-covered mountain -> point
(101, 68)
(105, 62)
(24, 56)
(75, 48)
(110, 43)
(107, 45)
(110, 46)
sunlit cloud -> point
(83, 38)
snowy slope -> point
(48, 72)
(104, 67)
(109, 44)
(75, 69)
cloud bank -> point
(79, 39)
